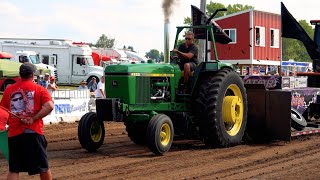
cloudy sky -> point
(137, 23)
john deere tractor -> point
(147, 98)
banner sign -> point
(67, 110)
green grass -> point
(68, 87)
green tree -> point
(187, 21)
(237, 7)
(131, 48)
(212, 7)
(294, 49)
(161, 57)
(91, 44)
(153, 54)
(105, 42)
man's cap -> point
(52, 78)
(26, 69)
(83, 82)
(47, 74)
(93, 78)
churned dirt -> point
(119, 158)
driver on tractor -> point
(188, 54)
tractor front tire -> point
(160, 134)
(224, 98)
(91, 132)
(137, 132)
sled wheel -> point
(91, 132)
(298, 122)
(224, 99)
(160, 134)
(137, 132)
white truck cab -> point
(83, 68)
(33, 57)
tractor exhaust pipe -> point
(166, 6)
(166, 42)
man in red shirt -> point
(29, 102)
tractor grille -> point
(142, 90)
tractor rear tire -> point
(298, 122)
(137, 132)
(160, 134)
(223, 120)
(91, 132)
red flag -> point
(4, 116)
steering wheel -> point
(174, 58)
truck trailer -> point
(73, 62)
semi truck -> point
(73, 62)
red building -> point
(255, 38)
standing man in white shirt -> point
(100, 89)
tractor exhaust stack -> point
(166, 42)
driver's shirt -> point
(191, 49)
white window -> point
(260, 36)
(274, 38)
(232, 33)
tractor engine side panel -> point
(122, 87)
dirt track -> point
(119, 158)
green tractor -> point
(146, 97)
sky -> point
(137, 23)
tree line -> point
(291, 48)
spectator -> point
(92, 85)
(100, 89)
(83, 85)
(44, 83)
(27, 144)
(52, 85)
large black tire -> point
(223, 101)
(298, 122)
(91, 132)
(160, 134)
(137, 132)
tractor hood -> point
(143, 69)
